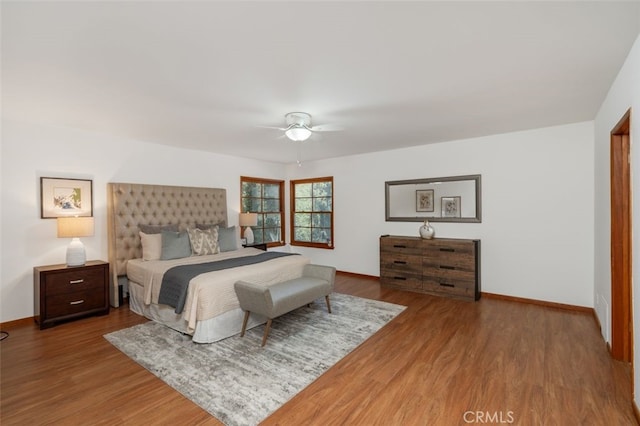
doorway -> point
(621, 310)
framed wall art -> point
(450, 206)
(424, 200)
(65, 197)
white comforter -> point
(212, 293)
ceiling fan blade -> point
(272, 127)
(327, 128)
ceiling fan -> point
(299, 127)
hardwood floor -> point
(441, 362)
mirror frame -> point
(478, 187)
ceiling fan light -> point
(298, 134)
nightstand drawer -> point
(74, 303)
(85, 279)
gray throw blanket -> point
(175, 282)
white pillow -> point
(151, 246)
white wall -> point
(29, 152)
(537, 189)
(623, 94)
(537, 208)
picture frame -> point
(60, 197)
(450, 206)
(424, 200)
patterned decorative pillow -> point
(204, 241)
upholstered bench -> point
(278, 299)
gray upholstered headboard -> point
(132, 204)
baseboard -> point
(353, 274)
(541, 303)
(636, 413)
(18, 322)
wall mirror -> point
(445, 199)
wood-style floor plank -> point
(440, 362)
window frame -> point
(248, 179)
(292, 212)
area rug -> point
(238, 381)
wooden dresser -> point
(440, 266)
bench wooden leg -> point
(244, 323)
(328, 304)
(266, 332)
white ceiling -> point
(207, 75)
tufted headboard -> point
(132, 204)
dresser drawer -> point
(70, 280)
(404, 281)
(457, 288)
(406, 246)
(445, 248)
(401, 262)
(450, 272)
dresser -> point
(440, 266)
(64, 292)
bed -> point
(211, 309)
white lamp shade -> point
(73, 227)
(248, 219)
(298, 134)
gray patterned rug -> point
(238, 381)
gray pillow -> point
(156, 229)
(228, 239)
(175, 245)
(204, 227)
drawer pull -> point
(447, 285)
(76, 281)
(400, 262)
(451, 268)
(399, 246)
(77, 302)
(400, 278)
(450, 250)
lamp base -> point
(248, 234)
(76, 254)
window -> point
(312, 212)
(264, 197)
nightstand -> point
(259, 246)
(64, 292)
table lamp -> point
(248, 220)
(74, 227)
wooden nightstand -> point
(64, 292)
(259, 246)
